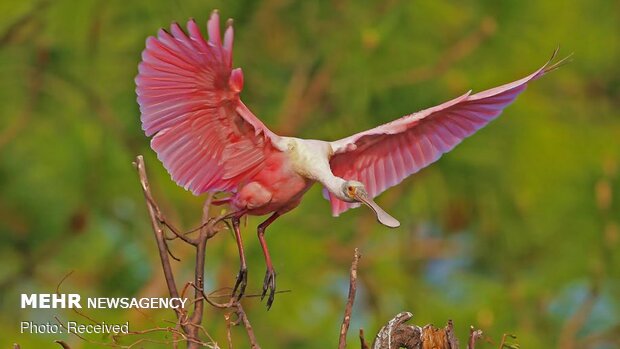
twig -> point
(183, 337)
(75, 310)
(502, 344)
(228, 330)
(234, 304)
(199, 276)
(162, 220)
(474, 335)
(191, 325)
(204, 297)
(63, 344)
(62, 280)
(363, 343)
(346, 321)
(159, 233)
(248, 327)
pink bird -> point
(209, 141)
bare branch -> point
(63, 344)
(363, 344)
(153, 210)
(204, 297)
(241, 317)
(183, 337)
(248, 327)
(201, 247)
(62, 280)
(346, 321)
(474, 335)
(502, 344)
(228, 332)
(190, 324)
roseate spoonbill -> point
(209, 141)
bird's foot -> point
(269, 285)
(241, 283)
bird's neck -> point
(310, 159)
(333, 184)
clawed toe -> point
(241, 283)
(269, 284)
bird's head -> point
(354, 191)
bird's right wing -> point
(207, 139)
(385, 155)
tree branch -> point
(342, 343)
(248, 327)
(190, 324)
(474, 335)
(62, 344)
(159, 234)
(363, 343)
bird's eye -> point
(350, 188)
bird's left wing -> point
(207, 139)
(385, 155)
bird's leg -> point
(269, 284)
(242, 276)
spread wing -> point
(385, 155)
(207, 139)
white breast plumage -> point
(309, 158)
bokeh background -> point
(515, 231)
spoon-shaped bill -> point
(382, 216)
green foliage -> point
(510, 232)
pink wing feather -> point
(385, 155)
(207, 139)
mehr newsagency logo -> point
(74, 301)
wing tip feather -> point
(548, 67)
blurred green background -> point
(515, 231)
